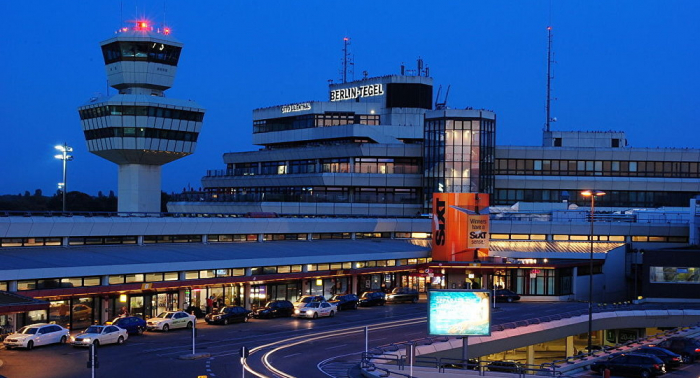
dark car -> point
(275, 309)
(403, 294)
(688, 348)
(670, 359)
(372, 298)
(506, 366)
(132, 324)
(228, 315)
(631, 364)
(345, 301)
(503, 295)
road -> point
(287, 346)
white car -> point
(303, 300)
(168, 320)
(100, 335)
(316, 309)
(35, 335)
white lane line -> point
(337, 346)
(291, 355)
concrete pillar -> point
(64, 241)
(570, 350)
(104, 280)
(139, 240)
(530, 355)
(12, 286)
(139, 188)
(247, 300)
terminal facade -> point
(338, 199)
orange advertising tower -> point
(460, 227)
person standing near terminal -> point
(210, 304)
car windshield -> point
(166, 315)
(94, 329)
(313, 305)
(28, 330)
(337, 297)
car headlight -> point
(87, 340)
(309, 312)
(297, 312)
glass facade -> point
(459, 156)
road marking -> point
(337, 346)
(291, 355)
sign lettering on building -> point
(296, 107)
(357, 92)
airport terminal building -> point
(338, 199)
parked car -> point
(345, 301)
(688, 348)
(670, 359)
(132, 324)
(168, 320)
(275, 309)
(100, 335)
(304, 299)
(372, 298)
(503, 295)
(506, 366)
(36, 335)
(403, 294)
(315, 310)
(228, 315)
(631, 364)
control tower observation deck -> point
(140, 129)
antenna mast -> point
(549, 77)
(347, 60)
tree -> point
(38, 193)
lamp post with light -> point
(593, 194)
(64, 149)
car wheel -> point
(332, 314)
(189, 325)
(120, 340)
(509, 300)
(382, 303)
(686, 358)
(63, 340)
(226, 321)
(139, 330)
(96, 343)
(30, 345)
(645, 374)
(315, 315)
(166, 328)
(245, 319)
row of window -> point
(233, 238)
(140, 132)
(601, 238)
(120, 279)
(308, 194)
(308, 121)
(614, 198)
(616, 168)
(336, 165)
(143, 111)
(141, 51)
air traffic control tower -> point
(140, 129)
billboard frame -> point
(436, 323)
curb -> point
(195, 356)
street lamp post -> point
(64, 149)
(593, 194)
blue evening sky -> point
(620, 65)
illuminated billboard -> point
(459, 313)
